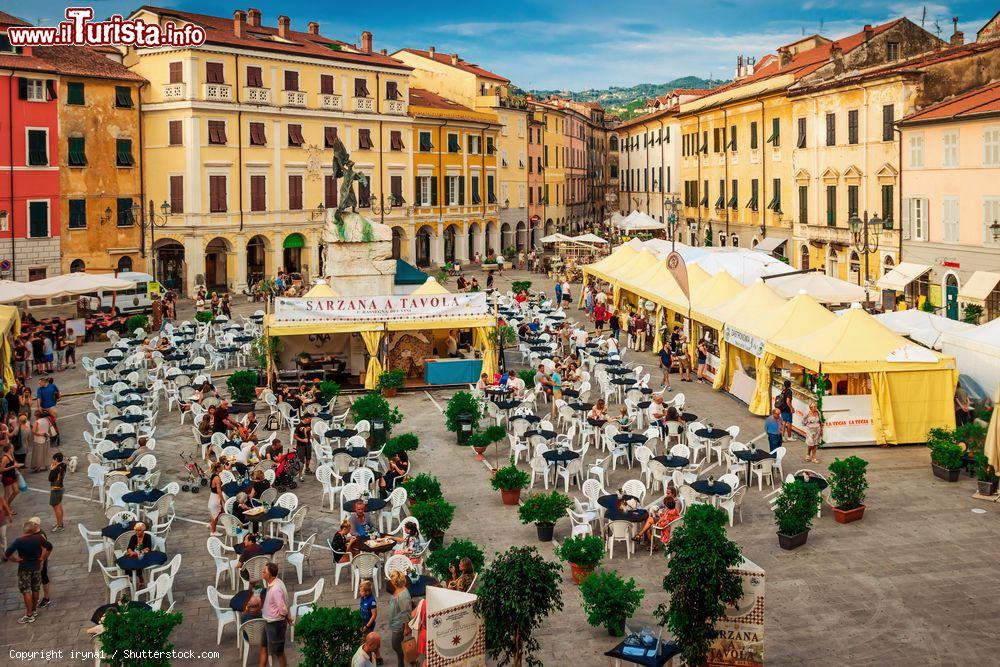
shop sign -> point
(380, 308)
(745, 341)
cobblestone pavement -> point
(911, 584)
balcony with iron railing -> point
(294, 98)
(331, 102)
(255, 95)
(217, 92)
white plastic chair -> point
(93, 543)
(223, 614)
(297, 558)
(619, 531)
(304, 601)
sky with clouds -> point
(567, 44)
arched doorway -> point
(423, 249)
(491, 237)
(804, 258)
(472, 234)
(397, 242)
(522, 236)
(854, 268)
(170, 266)
(216, 264)
(77, 266)
(506, 237)
(256, 259)
(951, 296)
(832, 264)
(449, 243)
(124, 264)
(887, 264)
(291, 256)
(550, 227)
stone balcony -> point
(331, 102)
(217, 92)
(253, 95)
(395, 107)
(364, 104)
(174, 91)
(294, 98)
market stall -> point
(923, 327)
(875, 385)
(821, 287)
(718, 289)
(10, 328)
(977, 353)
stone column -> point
(240, 244)
(279, 255)
(437, 248)
(411, 245)
(462, 246)
(312, 255)
(194, 260)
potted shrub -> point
(510, 257)
(510, 609)
(701, 580)
(203, 316)
(543, 510)
(372, 406)
(847, 488)
(133, 628)
(243, 390)
(435, 516)
(946, 454)
(583, 553)
(986, 475)
(389, 382)
(136, 322)
(610, 600)
(327, 391)
(480, 441)
(509, 481)
(441, 561)
(519, 286)
(328, 635)
(404, 442)
(794, 510)
(527, 376)
(462, 415)
(422, 487)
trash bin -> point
(464, 428)
(377, 439)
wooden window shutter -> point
(434, 190)
(329, 191)
(214, 73)
(176, 132)
(329, 136)
(295, 192)
(326, 84)
(255, 77)
(291, 80)
(258, 193)
(176, 194)
(461, 190)
(257, 136)
(176, 72)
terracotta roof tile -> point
(86, 62)
(445, 59)
(985, 100)
(425, 98)
(10, 19)
(219, 30)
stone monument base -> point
(358, 259)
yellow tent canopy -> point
(796, 317)
(635, 270)
(320, 289)
(716, 290)
(431, 286)
(757, 299)
(604, 268)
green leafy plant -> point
(984, 471)
(328, 390)
(435, 515)
(509, 253)
(509, 478)
(487, 437)
(462, 403)
(586, 551)
(972, 313)
(700, 581)
(422, 487)
(927, 306)
(265, 350)
(527, 376)
(441, 560)
(374, 406)
(329, 636)
(503, 336)
(511, 610)
(131, 628)
(544, 507)
(242, 385)
(946, 454)
(972, 434)
(393, 379)
(137, 322)
(204, 316)
(519, 286)
(848, 482)
(796, 507)
(610, 600)
(404, 442)
(442, 276)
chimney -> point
(837, 57)
(239, 23)
(284, 27)
(366, 41)
(430, 52)
(313, 28)
(869, 31)
(784, 57)
(384, 52)
(253, 17)
(957, 37)
(454, 59)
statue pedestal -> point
(358, 256)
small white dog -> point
(72, 464)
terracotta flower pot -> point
(580, 573)
(510, 496)
(389, 392)
(479, 452)
(847, 516)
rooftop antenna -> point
(821, 25)
(937, 28)
(923, 16)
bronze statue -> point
(343, 168)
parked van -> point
(138, 299)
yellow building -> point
(454, 205)
(468, 84)
(240, 130)
(554, 211)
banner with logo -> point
(380, 308)
(455, 634)
(741, 631)
(678, 269)
(744, 341)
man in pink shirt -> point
(275, 614)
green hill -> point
(622, 101)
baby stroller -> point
(284, 475)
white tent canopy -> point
(823, 288)
(588, 238)
(554, 238)
(770, 244)
(743, 264)
(70, 284)
(637, 221)
(977, 353)
(901, 276)
(924, 328)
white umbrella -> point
(71, 284)
(589, 238)
(554, 238)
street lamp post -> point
(155, 220)
(865, 234)
(672, 205)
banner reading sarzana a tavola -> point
(380, 308)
